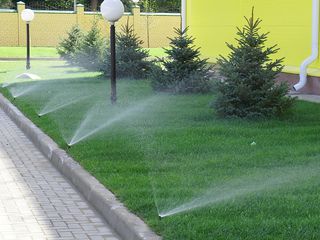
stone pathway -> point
(36, 201)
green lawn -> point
(162, 153)
(20, 52)
(157, 52)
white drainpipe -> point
(183, 14)
(315, 47)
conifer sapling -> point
(247, 88)
(183, 71)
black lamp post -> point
(28, 47)
(27, 15)
(113, 64)
(112, 11)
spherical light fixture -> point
(27, 15)
(112, 10)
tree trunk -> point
(94, 5)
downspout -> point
(183, 14)
(315, 47)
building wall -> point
(49, 27)
(214, 22)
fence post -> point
(80, 14)
(21, 25)
(136, 17)
(138, 25)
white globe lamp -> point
(112, 10)
(27, 15)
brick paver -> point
(36, 201)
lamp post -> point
(112, 11)
(27, 15)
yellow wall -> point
(214, 22)
(156, 26)
(8, 29)
(49, 27)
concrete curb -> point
(307, 97)
(127, 225)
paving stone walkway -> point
(36, 201)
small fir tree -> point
(182, 71)
(132, 59)
(69, 45)
(89, 54)
(247, 88)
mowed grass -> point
(20, 52)
(174, 149)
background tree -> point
(247, 87)
(93, 5)
(6, 4)
(160, 6)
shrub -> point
(69, 45)
(89, 53)
(131, 58)
(247, 87)
(182, 71)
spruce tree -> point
(247, 88)
(182, 71)
(132, 59)
(88, 55)
(69, 45)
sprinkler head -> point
(253, 144)
(160, 217)
(39, 115)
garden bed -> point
(170, 155)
